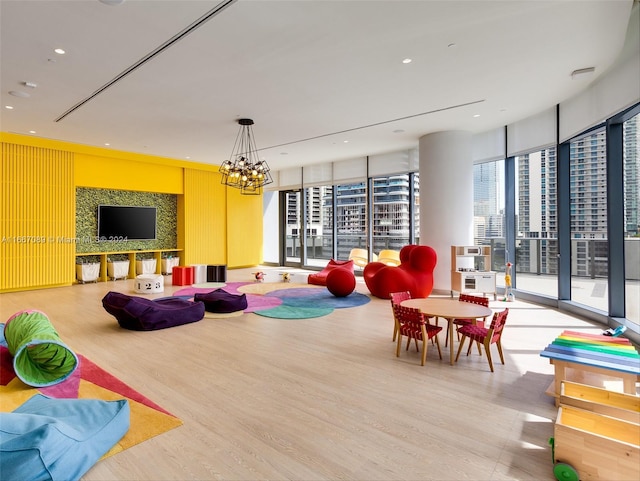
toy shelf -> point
(131, 255)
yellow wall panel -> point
(123, 174)
(37, 217)
(244, 229)
(216, 225)
(204, 222)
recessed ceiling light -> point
(59, 51)
(451, 45)
(475, 116)
(407, 60)
(345, 141)
(107, 144)
(284, 153)
(32, 131)
(398, 131)
(112, 2)
(8, 107)
(19, 93)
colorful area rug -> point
(89, 381)
(283, 300)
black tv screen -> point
(123, 222)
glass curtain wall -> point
(588, 205)
(293, 226)
(488, 211)
(319, 225)
(351, 218)
(416, 208)
(391, 223)
(631, 189)
(536, 258)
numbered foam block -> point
(149, 284)
(182, 275)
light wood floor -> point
(318, 399)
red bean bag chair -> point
(414, 274)
(320, 278)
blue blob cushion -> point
(59, 439)
(221, 301)
(140, 314)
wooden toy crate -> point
(602, 401)
(598, 447)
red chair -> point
(485, 336)
(480, 300)
(397, 298)
(320, 278)
(412, 323)
(414, 274)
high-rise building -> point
(631, 155)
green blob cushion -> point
(40, 358)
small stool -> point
(149, 283)
(217, 273)
(182, 275)
(199, 273)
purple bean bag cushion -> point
(221, 301)
(140, 314)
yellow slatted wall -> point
(204, 214)
(244, 229)
(37, 217)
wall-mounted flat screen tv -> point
(125, 222)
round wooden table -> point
(448, 309)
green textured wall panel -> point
(88, 200)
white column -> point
(446, 198)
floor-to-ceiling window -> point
(588, 204)
(536, 224)
(351, 218)
(631, 192)
(488, 211)
(293, 225)
(416, 208)
(319, 224)
(391, 221)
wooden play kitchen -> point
(597, 430)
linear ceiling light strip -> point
(183, 33)
(375, 124)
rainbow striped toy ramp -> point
(592, 354)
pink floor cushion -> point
(141, 314)
(341, 282)
(221, 301)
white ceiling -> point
(312, 74)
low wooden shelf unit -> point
(104, 258)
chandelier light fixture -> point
(244, 170)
